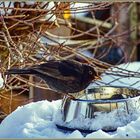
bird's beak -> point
(97, 78)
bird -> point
(64, 76)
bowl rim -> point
(102, 101)
(106, 86)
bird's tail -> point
(18, 71)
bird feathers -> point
(66, 76)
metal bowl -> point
(99, 99)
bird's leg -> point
(69, 95)
(72, 97)
(60, 47)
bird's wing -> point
(69, 67)
(51, 68)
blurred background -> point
(102, 34)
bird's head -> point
(91, 74)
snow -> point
(104, 120)
(30, 2)
(79, 6)
(98, 134)
(50, 16)
(133, 82)
(38, 119)
(6, 4)
(1, 81)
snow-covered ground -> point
(38, 120)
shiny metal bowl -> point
(99, 99)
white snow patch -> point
(6, 4)
(79, 9)
(1, 81)
(29, 2)
(98, 134)
(50, 16)
(37, 120)
(110, 80)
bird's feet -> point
(71, 97)
(68, 96)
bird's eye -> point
(90, 72)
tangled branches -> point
(32, 33)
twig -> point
(97, 22)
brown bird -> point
(65, 76)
